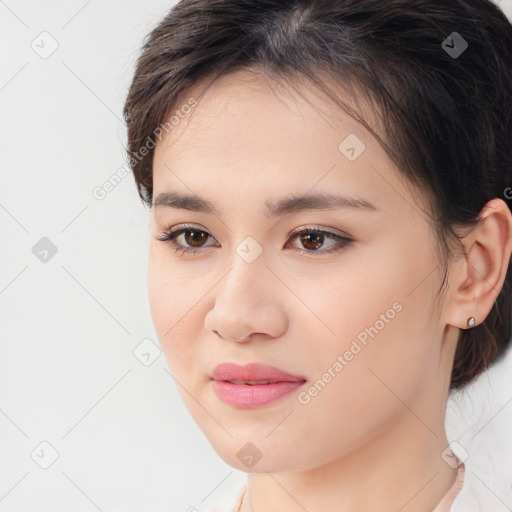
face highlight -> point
(301, 248)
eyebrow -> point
(290, 204)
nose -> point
(247, 303)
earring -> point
(471, 321)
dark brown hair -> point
(446, 117)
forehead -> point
(248, 130)
(246, 111)
(261, 101)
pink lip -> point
(253, 371)
(244, 395)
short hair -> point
(439, 72)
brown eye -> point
(195, 238)
(188, 239)
(312, 241)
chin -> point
(259, 456)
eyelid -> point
(296, 231)
(178, 230)
(321, 229)
(338, 236)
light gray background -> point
(68, 374)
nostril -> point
(243, 340)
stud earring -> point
(471, 321)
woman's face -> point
(354, 316)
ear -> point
(477, 277)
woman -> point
(331, 235)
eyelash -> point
(169, 237)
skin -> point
(372, 438)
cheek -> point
(380, 326)
(173, 308)
(354, 385)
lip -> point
(253, 371)
(246, 395)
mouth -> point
(252, 374)
(252, 382)
(252, 385)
